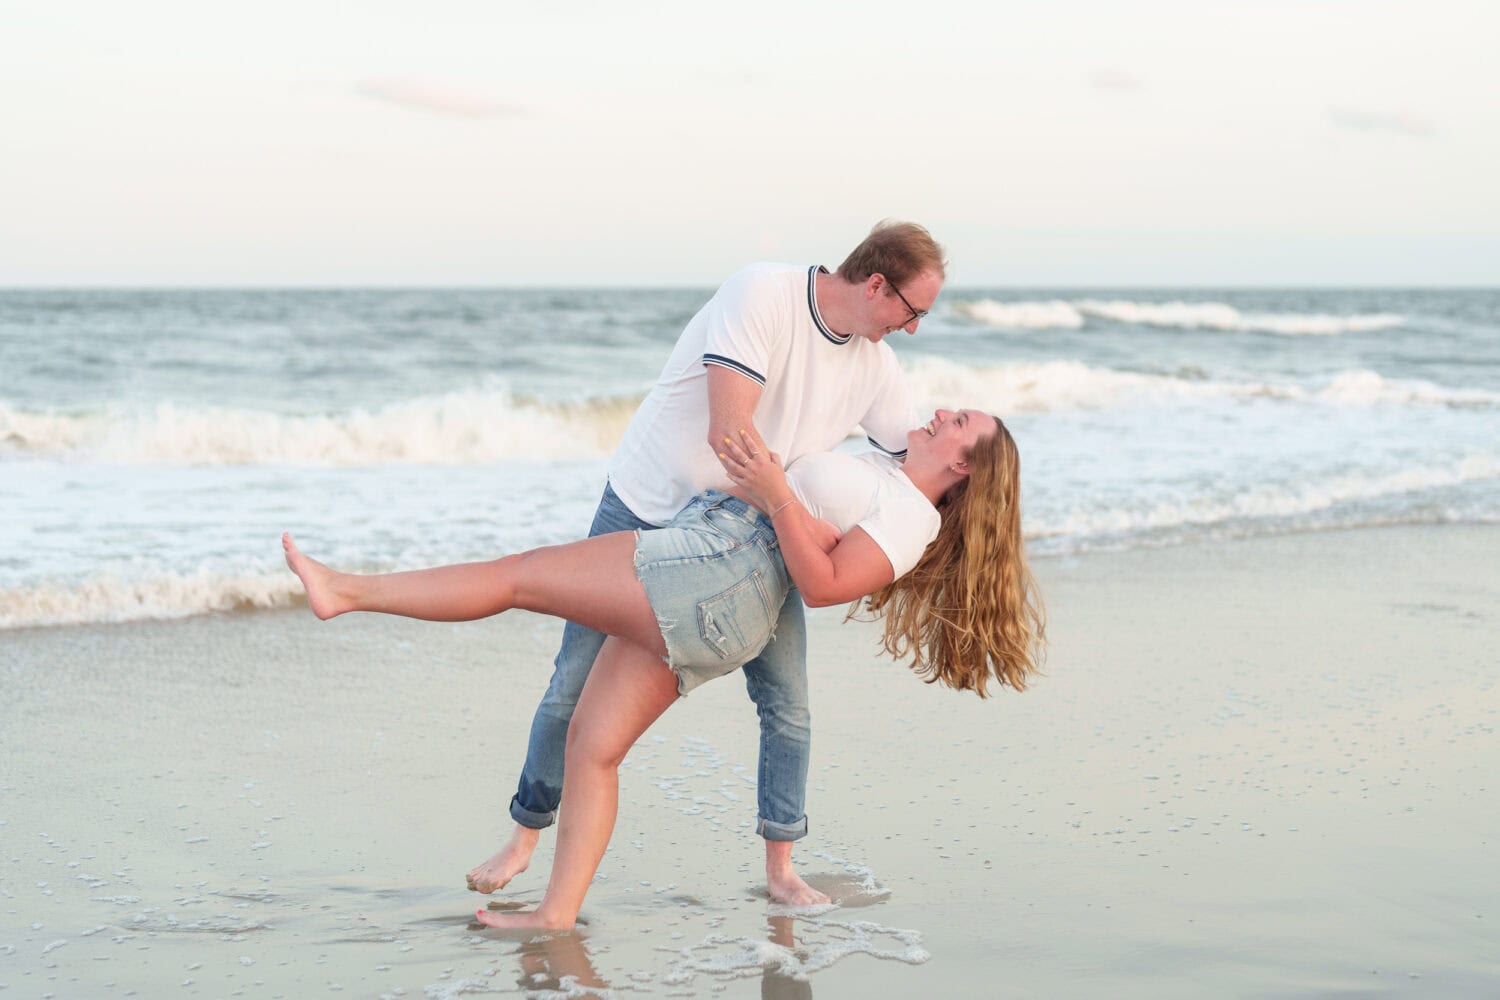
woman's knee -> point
(589, 747)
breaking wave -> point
(1057, 314)
(163, 593)
(1270, 502)
(460, 428)
(479, 427)
(112, 599)
(1059, 386)
(1053, 315)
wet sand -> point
(1256, 768)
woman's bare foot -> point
(321, 583)
(782, 883)
(506, 863)
(521, 920)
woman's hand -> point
(757, 470)
(827, 569)
(825, 534)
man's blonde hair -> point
(899, 250)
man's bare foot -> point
(782, 883)
(320, 582)
(506, 863)
(787, 887)
(521, 920)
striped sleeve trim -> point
(733, 365)
(882, 448)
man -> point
(798, 353)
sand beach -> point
(339, 271)
(1255, 768)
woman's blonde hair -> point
(970, 610)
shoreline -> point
(266, 592)
(1258, 766)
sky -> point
(1211, 142)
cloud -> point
(1116, 80)
(1381, 121)
(431, 95)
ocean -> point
(154, 444)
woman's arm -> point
(856, 566)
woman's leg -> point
(591, 582)
(628, 689)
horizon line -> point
(652, 286)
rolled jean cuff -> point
(529, 819)
(781, 831)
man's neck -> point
(836, 301)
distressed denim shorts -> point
(716, 580)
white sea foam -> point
(1034, 388)
(170, 592)
(479, 427)
(1268, 501)
(865, 883)
(1219, 316)
(1369, 387)
(112, 599)
(455, 429)
(1051, 315)
(44, 432)
(1061, 386)
(1056, 314)
(820, 944)
(472, 987)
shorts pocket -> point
(737, 623)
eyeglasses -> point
(916, 313)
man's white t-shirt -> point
(763, 323)
(868, 491)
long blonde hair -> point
(970, 610)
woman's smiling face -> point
(950, 434)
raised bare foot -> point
(520, 920)
(506, 863)
(786, 886)
(318, 580)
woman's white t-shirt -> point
(867, 491)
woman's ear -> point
(962, 468)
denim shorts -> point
(716, 581)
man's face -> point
(885, 310)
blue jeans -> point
(776, 681)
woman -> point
(935, 541)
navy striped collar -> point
(812, 304)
